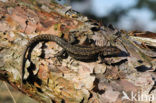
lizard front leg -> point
(101, 59)
(63, 54)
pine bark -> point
(71, 81)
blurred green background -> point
(124, 14)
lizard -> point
(78, 52)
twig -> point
(10, 92)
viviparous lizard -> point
(78, 52)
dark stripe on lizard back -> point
(76, 51)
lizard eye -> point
(111, 26)
(95, 29)
(118, 34)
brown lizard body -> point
(78, 52)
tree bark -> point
(49, 80)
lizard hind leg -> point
(61, 55)
(72, 38)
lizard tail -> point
(33, 42)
